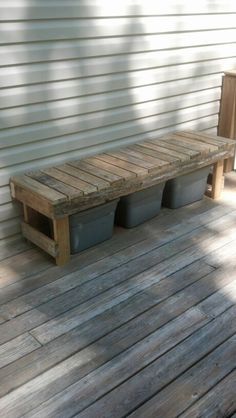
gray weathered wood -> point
(17, 348)
(155, 376)
(191, 385)
(219, 399)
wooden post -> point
(217, 179)
(227, 116)
(62, 238)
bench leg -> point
(217, 179)
(62, 238)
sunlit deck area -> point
(142, 325)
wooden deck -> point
(143, 325)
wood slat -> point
(209, 146)
(122, 164)
(35, 187)
(144, 157)
(111, 168)
(192, 145)
(17, 348)
(98, 172)
(130, 310)
(210, 139)
(130, 159)
(66, 189)
(220, 398)
(165, 142)
(191, 385)
(155, 153)
(39, 239)
(154, 376)
(82, 186)
(82, 175)
(165, 150)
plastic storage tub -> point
(92, 226)
(138, 207)
(185, 189)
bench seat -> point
(60, 191)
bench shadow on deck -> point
(142, 326)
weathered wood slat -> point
(165, 152)
(130, 159)
(219, 399)
(104, 323)
(173, 145)
(185, 143)
(150, 347)
(35, 187)
(54, 184)
(82, 186)
(146, 150)
(141, 155)
(17, 268)
(98, 172)
(89, 178)
(204, 145)
(205, 138)
(111, 168)
(42, 241)
(17, 348)
(191, 385)
(126, 397)
(122, 164)
(63, 402)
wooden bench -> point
(57, 192)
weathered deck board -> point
(191, 385)
(219, 399)
(127, 326)
(152, 378)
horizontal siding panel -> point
(105, 108)
(20, 10)
(20, 96)
(50, 51)
(207, 122)
(80, 123)
(207, 60)
(14, 32)
(58, 145)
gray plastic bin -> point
(138, 207)
(185, 189)
(92, 226)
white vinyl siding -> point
(82, 76)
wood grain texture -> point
(217, 179)
(41, 240)
(177, 310)
(193, 384)
(62, 239)
(89, 178)
(219, 399)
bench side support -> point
(62, 238)
(217, 179)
